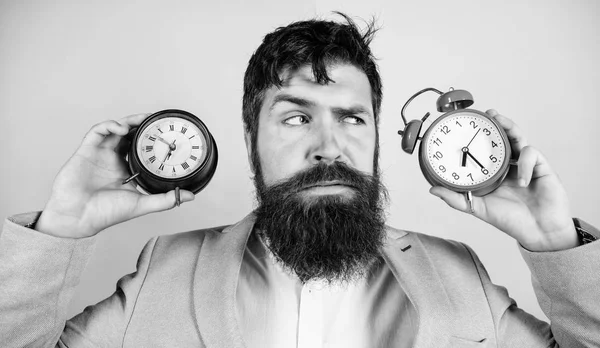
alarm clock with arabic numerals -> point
(464, 150)
(172, 150)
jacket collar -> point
(218, 267)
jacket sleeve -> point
(38, 277)
(566, 285)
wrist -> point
(62, 226)
(565, 238)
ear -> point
(249, 150)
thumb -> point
(456, 200)
(161, 201)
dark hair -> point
(316, 42)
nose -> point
(327, 145)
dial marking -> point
(171, 127)
(183, 130)
(195, 147)
(152, 138)
(185, 165)
(149, 148)
(194, 158)
(162, 166)
(152, 159)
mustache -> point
(338, 173)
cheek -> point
(361, 151)
(280, 157)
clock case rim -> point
(481, 189)
(193, 181)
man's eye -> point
(296, 120)
(353, 120)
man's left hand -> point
(531, 205)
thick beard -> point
(330, 237)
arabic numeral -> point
(472, 123)
(455, 176)
(442, 168)
(493, 158)
(445, 129)
(470, 176)
(486, 131)
(494, 144)
(485, 171)
(438, 155)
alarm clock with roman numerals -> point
(464, 150)
(172, 150)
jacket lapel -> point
(412, 267)
(218, 267)
(215, 284)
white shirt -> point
(275, 310)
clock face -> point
(465, 150)
(171, 147)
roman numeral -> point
(149, 148)
(185, 165)
(162, 166)
(152, 138)
(160, 131)
(183, 130)
(194, 158)
(171, 127)
(152, 159)
(195, 147)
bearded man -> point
(314, 265)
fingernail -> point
(522, 183)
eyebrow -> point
(339, 111)
(291, 99)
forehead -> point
(350, 86)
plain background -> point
(67, 65)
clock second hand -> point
(172, 148)
(472, 139)
(465, 151)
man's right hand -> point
(88, 195)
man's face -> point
(320, 197)
(304, 123)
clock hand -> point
(167, 156)
(163, 140)
(463, 162)
(475, 159)
(472, 139)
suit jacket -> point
(183, 293)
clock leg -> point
(130, 178)
(469, 198)
(177, 196)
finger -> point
(134, 120)
(108, 134)
(457, 200)
(98, 133)
(160, 202)
(515, 136)
(532, 165)
(112, 141)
